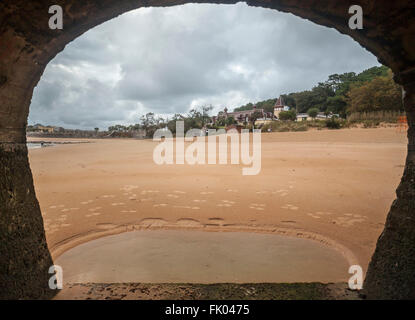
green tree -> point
(288, 115)
(313, 112)
(382, 93)
(254, 116)
(230, 120)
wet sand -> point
(332, 186)
(174, 256)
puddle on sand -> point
(174, 256)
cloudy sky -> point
(168, 60)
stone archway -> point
(27, 45)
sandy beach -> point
(335, 187)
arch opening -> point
(24, 63)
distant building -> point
(303, 117)
(242, 117)
(320, 116)
(44, 129)
(279, 106)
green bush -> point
(370, 123)
(333, 123)
(288, 115)
(300, 128)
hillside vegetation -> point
(371, 90)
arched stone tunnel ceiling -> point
(389, 27)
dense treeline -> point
(371, 90)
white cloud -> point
(167, 60)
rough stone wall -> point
(24, 255)
(27, 45)
(391, 272)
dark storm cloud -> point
(167, 60)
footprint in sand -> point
(289, 207)
(128, 211)
(144, 192)
(257, 206)
(313, 215)
(187, 207)
(105, 196)
(226, 203)
(319, 214)
(160, 205)
(349, 219)
(288, 221)
(93, 214)
(323, 213)
(94, 209)
(128, 188)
